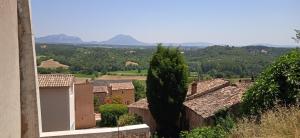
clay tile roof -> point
(55, 80)
(99, 89)
(207, 105)
(208, 86)
(139, 104)
(121, 86)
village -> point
(68, 105)
(55, 85)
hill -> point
(215, 61)
(123, 40)
(59, 39)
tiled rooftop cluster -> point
(207, 105)
(55, 80)
(211, 96)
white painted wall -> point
(10, 116)
(72, 107)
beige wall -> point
(10, 116)
(193, 120)
(146, 115)
(127, 96)
(55, 109)
(84, 106)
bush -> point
(140, 89)
(222, 129)
(110, 113)
(129, 119)
(278, 84)
(281, 122)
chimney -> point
(194, 87)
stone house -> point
(124, 91)
(100, 92)
(203, 101)
(57, 102)
(84, 106)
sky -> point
(233, 22)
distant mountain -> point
(59, 38)
(123, 40)
(192, 44)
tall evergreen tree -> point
(166, 89)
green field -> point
(129, 73)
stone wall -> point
(146, 115)
(127, 96)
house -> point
(57, 102)
(204, 100)
(124, 91)
(84, 106)
(140, 108)
(100, 92)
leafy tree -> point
(140, 90)
(278, 84)
(129, 119)
(166, 89)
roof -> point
(121, 86)
(55, 80)
(100, 89)
(143, 104)
(208, 104)
(208, 86)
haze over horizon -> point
(231, 22)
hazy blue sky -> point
(237, 22)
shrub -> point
(129, 119)
(278, 84)
(281, 122)
(110, 113)
(140, 89)
(221, 129)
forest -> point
(213, 61)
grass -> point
(80, 75)
(129, 73)
(280, 123)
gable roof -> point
(121, 86)
(142, 103)
(55, 80)
(207, 86)
(100, 89)
(208, 104)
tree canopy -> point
(166, 89)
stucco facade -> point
(56, 109)
(10, 117)
(84, 106)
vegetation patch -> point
(110, 114)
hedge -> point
(110, 114)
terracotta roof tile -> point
(100, 89)
(121, 86)
(208, 86)
(207, 105)
(142, 103)
(55, 80)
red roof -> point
(55, 80)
